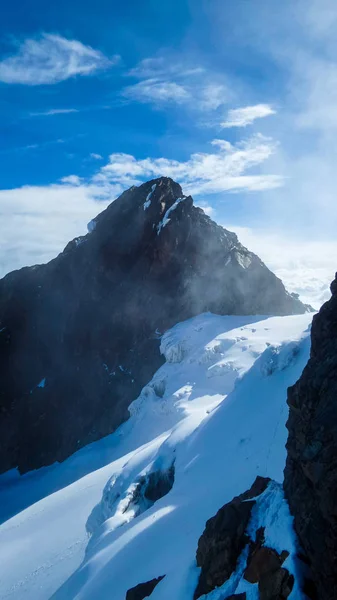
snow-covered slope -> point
(211, 420)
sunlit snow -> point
(216, 410)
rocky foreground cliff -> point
(311, 470)
(79, 336)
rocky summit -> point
(79, 336)
(311, 470)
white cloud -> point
(36, 222)
(51, 59)
(154, 91)
(72, 179)
(224, 170)
(54, 111)
(241, 117)
(305, 267)
(96, 156)
(207, 208)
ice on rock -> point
(243, 260)
(91, 226)
(166, 218)
(148, 197)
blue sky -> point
(233, 98)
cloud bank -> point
(225, 169)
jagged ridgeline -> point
(80, 335)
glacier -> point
(214, 414)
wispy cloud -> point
(220, 171)
(156, 91)
(166, 81)
(241, 117)
(163, 67)
(213, 95)
(96, 156)
(51, 59)
(54, 111)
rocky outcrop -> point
(311, 469)
(264, 567)
(143, 590)
(224, 539)
(79, 336)
(231, 550)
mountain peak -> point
(152, 199)
(88, 323)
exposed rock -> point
(242, 596)
(79, 336)
(261, 562)
(232, 550)
(264, 567)
(143, 590)
(224, 539)
(276, 585)
(158, 484)
(311, 469)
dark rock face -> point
(311, 469)
(222, 551)
(224, 539)
(158, 484)
(79, 335)
(143, 590)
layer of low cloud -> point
(241, 117)
(36, 222)
(305, 267)
(51, 59)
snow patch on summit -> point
(148, 197)
(166, 218)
